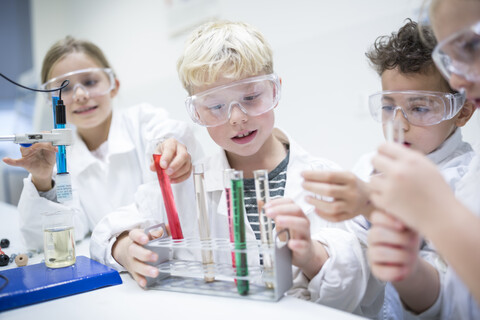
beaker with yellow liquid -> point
(59, 239)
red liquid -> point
(172, 215)
(228, 193)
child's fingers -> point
(182, 173)
(386, 254)
(299, 227)
(380, 218)
(278, 202)
(142, 282)
(324, 189)
(141, 253)
(390, 237)
(327, 177)
(388, 273)
(290, 209)
(138, 236)
(140, 270)
(299, 247)
(13, 162)
(328, 207)
(168, 149)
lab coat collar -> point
(118, 142)
(446, 148)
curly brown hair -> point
(409, 50)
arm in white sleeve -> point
(146, 211)
(344, 282)
(30, 208)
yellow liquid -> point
(59, 247)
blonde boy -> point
(227, 70)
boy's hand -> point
(175, 159)
(129, 252)
(307, 254)
(39, 160)
(392, 248)
(349, 193)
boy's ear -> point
(114, 91)
(465, 114)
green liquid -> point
(239, 235)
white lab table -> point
(129, 301)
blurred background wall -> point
(319, 51)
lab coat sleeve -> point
(30, 208)
(143, 213)
(344, 282)
(147, 210)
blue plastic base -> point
(37, 283)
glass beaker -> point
(58, 239)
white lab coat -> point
(452, 157)
(455, 301)
(100, 187)
(344, 282)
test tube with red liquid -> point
(228, 193)
(169, 202)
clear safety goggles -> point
(93, 82)
(460, 54)
(253, 96)
(420, 108)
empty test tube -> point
(262, 191)
(203, 224)
(239, 231)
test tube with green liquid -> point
(262, 192)
(239, 231)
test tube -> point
(228, 194)
(239, 231)
(203, 225)
(394, 132)
(262, 191)
(169, 202)
(63, 181)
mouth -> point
(407, 144)
(84, 110)
(244, 136)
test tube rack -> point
(181, 268)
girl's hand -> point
(409, 186)
(392, 248)
(39, 160)
(175, 160)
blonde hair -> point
(223, 49)
(66, 46)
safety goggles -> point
(460, 54)
(93, 82)
(420, 108)
(253, 96)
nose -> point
(79, 93)
(400, 118)
(237, 113)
